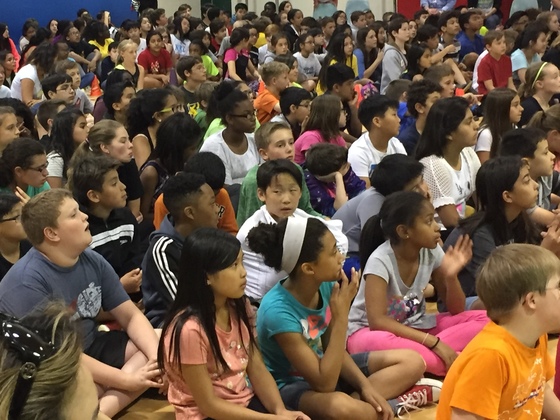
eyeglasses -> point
(174, 109)
(303, 105)
(12, 219)
(41, 168)
(64, 88)
(251, 116)
(31, 348)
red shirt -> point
(153, 64)
(499, 71)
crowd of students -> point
(254, 214)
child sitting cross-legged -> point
(61, 267)
(95, 184)
(208, 346)
(399, 254)
(279, 184)
(301, 327)
(329, 177)
(518, 284)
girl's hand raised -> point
(456, 257)
(343, 293)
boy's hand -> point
(445, 353)
(91, 65)
(145, 377)
(551, 238)
(380, 404)
(22, 195)
(343, 293)
(132, 281)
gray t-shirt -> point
(309, 67)
(355, 213)
(88, 286)
(404, 304)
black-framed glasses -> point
(12, 219)
(31, 347)
(41, 168)
(251, 116)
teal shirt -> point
(249, 201)
(217, 126)
(31, 191)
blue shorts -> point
(291, 393)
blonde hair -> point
(102, 133)
(546, 120)
(262, 135)
(127, 43)
(534, 73)
(510, 273)
(273, 69)
(55, 381)
(42, 211)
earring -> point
(407, 237)
(158, 120)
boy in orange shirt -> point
(275, 78)
(212, 168)
(503, 371)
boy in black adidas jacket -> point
(192, 204)
(95, 184)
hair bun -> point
(224, 89)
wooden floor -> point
(152, 409)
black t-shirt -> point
(191, 104)
(5, 265)
(82, 48)
(530, 108)
(254, 56)
(128, 174)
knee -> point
(414, 362)
(342, 406)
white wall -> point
(378, 7)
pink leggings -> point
(454, 330)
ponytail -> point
(371, 238)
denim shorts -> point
(291, 393)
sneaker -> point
(425, 391)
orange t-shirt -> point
(497, 377)
(226, 218)
(264, 104)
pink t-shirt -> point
(195, 350)
(308, 139)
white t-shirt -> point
(475, 71)
(181, 48)
(236, 165)
(28, 71)
(260, 277)
(484, 141)
(263, 49)
(363, 157)
(141, 47)
(448, 186)
(56, 165)
(308, 67)
(5, 92)
(404, 304)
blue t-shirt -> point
(86, 287)
(281, 313)
(470, 46)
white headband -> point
(293, 241)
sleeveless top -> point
(162, 177)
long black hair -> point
(206, 251)
(445, 117)
(4, 42)
(62, 135)
(143, 107)
(335, 51)
(493, 178)
(400, 208)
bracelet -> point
(424, 340)
(435, 345)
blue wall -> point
(15, 12)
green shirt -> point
(217, 126)
(249, 201)
(211, 69)
(31, 191)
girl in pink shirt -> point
(326, 117)
(208, 347)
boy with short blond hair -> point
(274, 141)
(520, 287)
(275, 78)
(60, 266)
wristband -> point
(435, 345)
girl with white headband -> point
(301, 329)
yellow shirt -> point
(351, 62)
(103, 49)
(497, 377)
(261, 40)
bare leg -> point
(335, 406)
